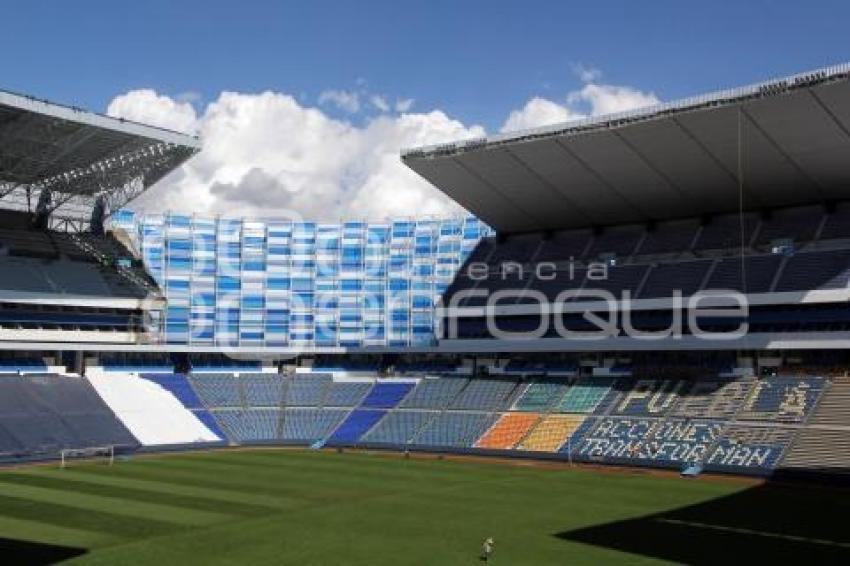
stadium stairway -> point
(823, 445)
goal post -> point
(106, 453)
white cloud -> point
(380, 103)
(271, 155)
(607, 99)
(586, 74)
(591, 100)
(538, 112)
(148, 107)
(403, 104)
(342, 99)
(268, 155)
(190, 96)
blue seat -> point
(385, 395)
(356, 425)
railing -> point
(716, 98)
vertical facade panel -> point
(239, 282)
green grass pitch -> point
(288, 506)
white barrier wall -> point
(150, 412)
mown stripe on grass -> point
(282, 492)
(320, 488)
(244, 503)
(39, 531)
(325, 465)
(115, 505)
(314, 473)
(109, 523)
(321, 472)
(63, 482)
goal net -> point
(106, 454)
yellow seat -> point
(551, 433)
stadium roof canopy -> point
(79, 156)
(668, 161)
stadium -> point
(635, 351)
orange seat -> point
(508, 430)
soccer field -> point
(281, 506)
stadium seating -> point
(746, 449)
(250, 425)
(670, 237)
(63, 318)
(434, 393)
(565, 245)
(647, 397)
(508, 431)
(759, 272)
(385, 394)
(306, 390)
(178, 385)
(398, 428)
(724, 232)
(618, 240)
(152, 412)
(27, 243)
(648, 441)
(262, 389)
(491, 394)
(677, 256)
(355, 425)
(585, 395)
(619, 278)
(782, 399)
(454, 429)
(551, 433)
(736, 425)
(797, 223)
(816, 270)
(520, 248)
(725, 424)
(665, 278)
(540, 395)
(346, 393)
(66, 277)
(713, 398)
(41, 414)
(309, 425)
(837, 224)
(217, 390)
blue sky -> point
(303, 107)
(474, 59)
